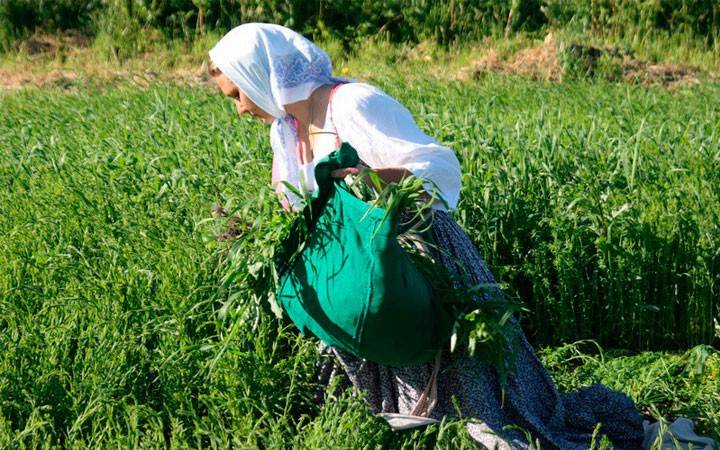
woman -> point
(283, 79)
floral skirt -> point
(531, 399)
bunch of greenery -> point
(482, 314)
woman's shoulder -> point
(357, 89)
(356, 96)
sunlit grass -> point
(595, 203)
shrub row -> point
(400, 20)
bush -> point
(699, 18)
(18, 17)
(400, 20)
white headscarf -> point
(274, 66)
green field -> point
(597, 204)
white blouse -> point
(385, 135)
(323, 144)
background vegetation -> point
(401, 20)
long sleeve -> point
(385, 135)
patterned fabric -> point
(531, 401)
(294, 69)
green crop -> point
(596, 204)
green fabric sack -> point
(352, 285)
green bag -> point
(352, 285)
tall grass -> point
(597, 204)
(114, 326)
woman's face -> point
(243, 104)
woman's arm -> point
(387, 138)
(388, 174)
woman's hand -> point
(387, 174)
(342, 173)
